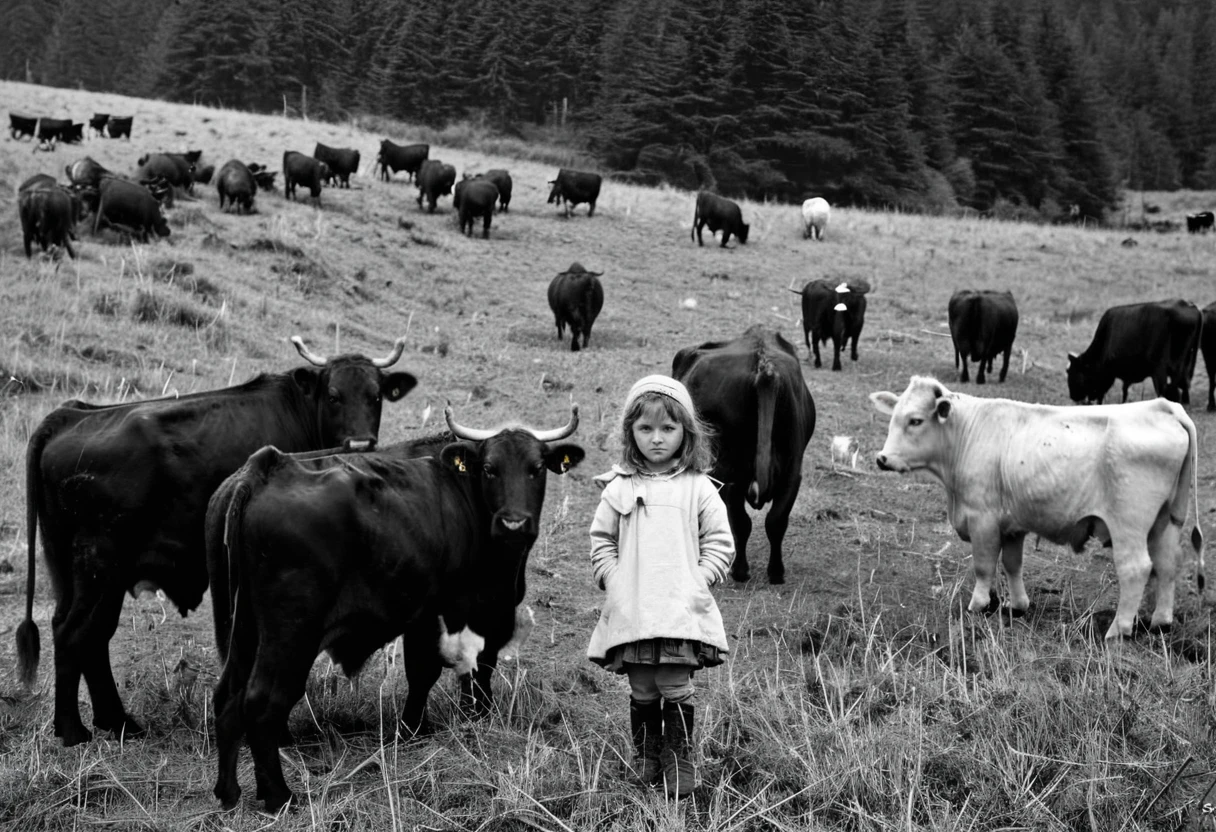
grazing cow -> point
(1200, 222)
(1207, 343)
(264, 177)
(53, 129)
(502, 180)
(571, 188)
(1120, 473)
(396, 157)
(719, 214)
(576, 297)
(982, 325)
(444, 547)
(299, 169)
(119, 127)
(473, 198)
(751, 391)
(176, 168)
(815, 212)
(21, 126)
(835, 310)
(48, 213)
(98, 123)
(120, 493)
(435, 179)
(86, 172)
(1137, 341)
(202, 176)
(236, 184)
(131, 207)
(342, 162)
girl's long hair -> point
(697, 450)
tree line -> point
(1016, 107)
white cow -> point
(815, 213)
(1120, 473)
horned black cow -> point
(120, 493)
(119, 127)
(720, 214)
(983, 325)
(751, 391)
(442, 562)
(299, 169)
(571, 188)
(342, 162)
(1157, 340)
(21, 126)
(435, 179)
(48, 213)
(129, 206)
(576, 297)
(235, 183)
(473, 198)
(396, 157)
(836, 310)
(1200, 222)
(98, 123)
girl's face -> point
(658, 438)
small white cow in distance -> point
(815, 213)
(1120, 473)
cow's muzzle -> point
(889, 463)
(512, 524)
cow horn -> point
(308, 355)
(461, 432)
(558, 433)
(392, 357)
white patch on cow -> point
(514, 525)
(459, 650)
(842, 289)
(524, 622)
(360, 445)
(840, 307)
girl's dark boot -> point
(646, 722)
(679, 774)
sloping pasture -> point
(858, 697)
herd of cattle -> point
(254, 491)
(49, 131)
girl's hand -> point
(707, 574)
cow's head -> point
(510, 466)
(347, 393)
(915, 439)
(555, 192)
(1085, 383)
(742, 232)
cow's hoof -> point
(275, 803)
(125, 728)
(227, 799)
(741, 575)
(776, 577)
(1014, 612)
(994, 603)
(76, 735)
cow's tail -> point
(1188, 481)
(696, 214)
(766, 382)
(29, 646)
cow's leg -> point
(575, 333)
(1212, 388)
(741, 527)
(420, 653)
(775, 525)
(229, 730)
(979, 370)
(697, 227)
(561, 326)
(591, 209)
(1163, 551)
(966, 374)
(276, 683)
(853, 351)
(1011, 559)
(1005, 364)
(836, 365)
(485, 228)
(725, 238)
(985, 546)
(1133, 566)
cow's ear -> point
(561, 458)
(1072, 356)
(306, 379)
(884, 402)
(396, 385)
(943, 409)
(461, 457)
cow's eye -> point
(489, 470)
(916, 421)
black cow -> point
(21, 126)
(236, 184)
(752, 392)
(571, 188)
(177, 169)
(576, 297)
(502, 180)
(120, 493)
(119, 127)
(1207, 343)
(342, 162)
(202, 176)
(299, 169)
(86, 172)
(718, 213)
(983, 325)
(442, 559)
(51, 130)
(396, 157)
(473, 198)
(129, 206)
(435, 179)
(264, 177)
(1137, 341)
(98, 123)
(1200, 222)
(836, 310)
(48, 213)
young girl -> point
(659, 540)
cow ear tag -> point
(396, 392)
(565, 463)
(460, 466)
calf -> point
(982, 325)
(1121, 473)
(445, 542)
(815, 213)
(576, 297)
(833, 310)
(719, 214)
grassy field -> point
(857, 696)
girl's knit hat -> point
(666, 385)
